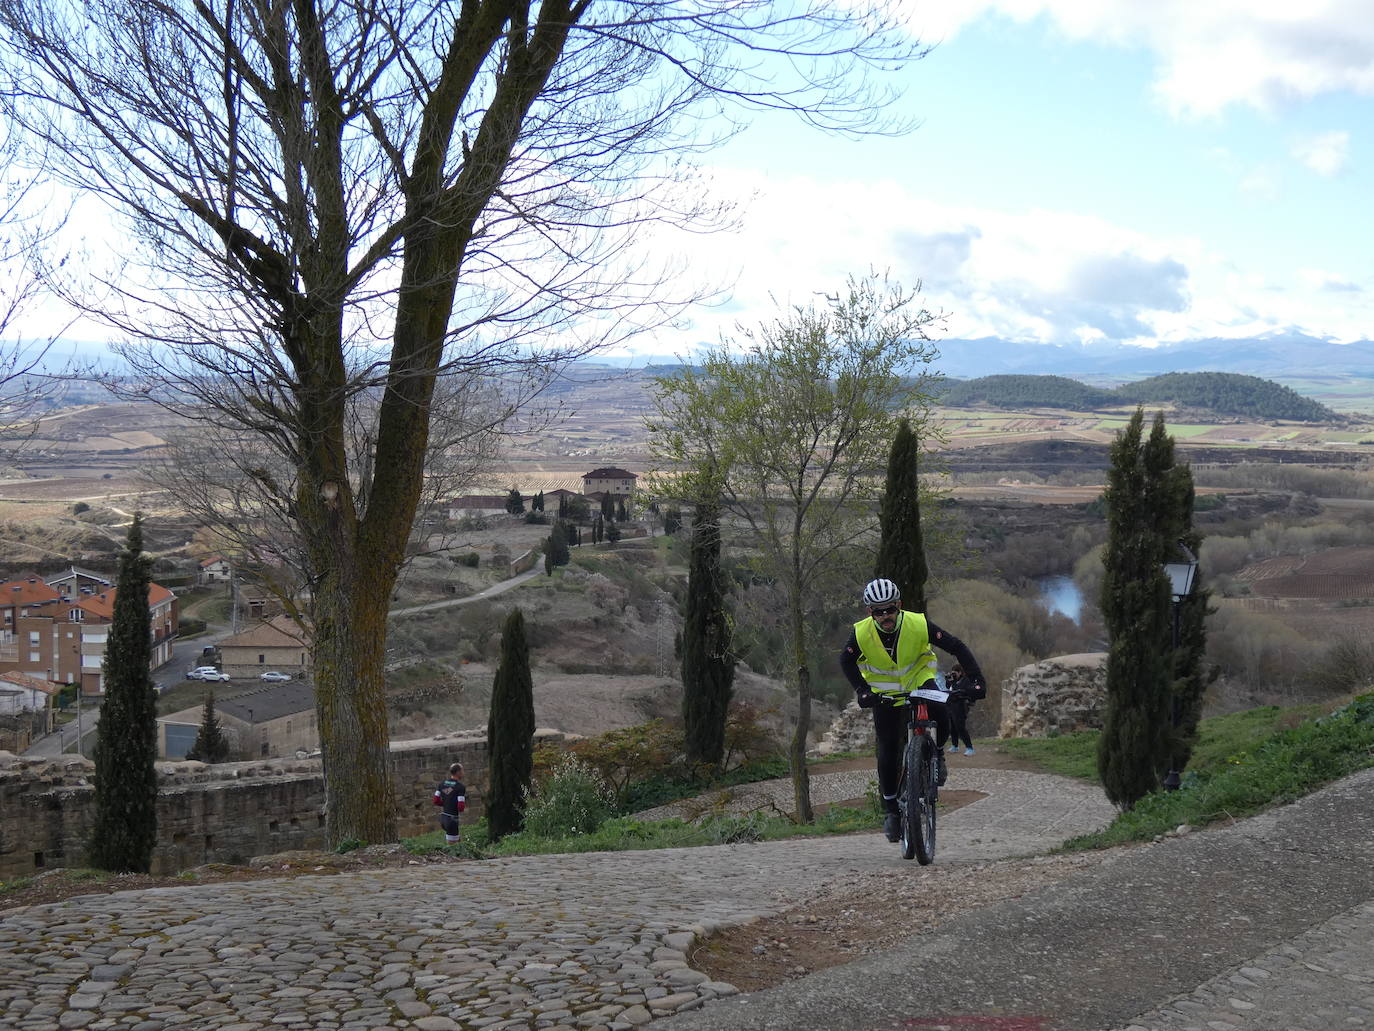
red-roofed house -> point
(214, 570)
(20, 692)
(62, 639)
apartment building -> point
(57, 631)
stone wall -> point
(225, 813)
(1056, 696)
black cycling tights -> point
(889, 728)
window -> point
(33, 637)
(264, 748)
(74, 616)
(262, 660)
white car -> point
(206, 673)
(276, 678)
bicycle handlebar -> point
(910, 697)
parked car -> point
(276, 678)
(206, 673)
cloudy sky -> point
(1084, 170)
(1120, 170)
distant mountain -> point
(1228, 393)
(1274, 356)
(1028, 392)
(1224, 393)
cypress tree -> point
(515, 504)
(510, 732)
(622, 512)
(708, 668)
(556, 550)
(901, 549)
(1132, 751)
(607, 507)
(124, 830)
(211, 746)
(1190, 672)
(562, 506)
(537, 505)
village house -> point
(61, 638)
(20, 693)
(609, 480)
(76, 581)
(276, 721)
(279, 644)
(214, 570)
(254, 601)
(476, 505)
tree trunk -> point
(350, 641)
(801, 780)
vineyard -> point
(1339, 574)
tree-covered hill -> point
(1223, 393)
(1228, 393)
(1028, 392)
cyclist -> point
(887, 655)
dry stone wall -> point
(1056, 696)
(225, 813)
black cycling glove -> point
(866, 699)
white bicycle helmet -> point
(880, 592)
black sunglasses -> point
(886, 610)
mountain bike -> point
(918, 788)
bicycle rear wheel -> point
(918, 830)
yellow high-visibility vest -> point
(915, 662)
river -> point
(1061, 594)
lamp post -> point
(1182, 576)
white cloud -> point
(1212, 53)
(1325, 153)
(1044, 276)
(1260, 183)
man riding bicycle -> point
(889, 654)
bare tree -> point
(327, 202)
(237, 486)
(29, 222)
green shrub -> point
(631, 754)
(574, 799)
(349, 845)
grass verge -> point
(625, 833)
(1244, 763)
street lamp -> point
(1182, 577)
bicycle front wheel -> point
(917, 840)
(918, 831)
